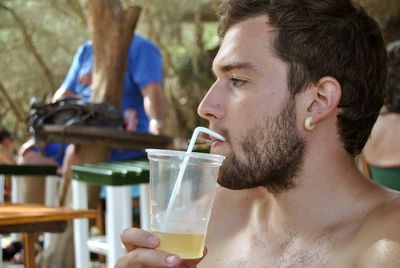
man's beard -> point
(272, 154)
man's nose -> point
(211, 107)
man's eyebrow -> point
(237, 66)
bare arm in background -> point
(63, 93)
(154, 105)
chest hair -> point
(310, 256)
(259, 254)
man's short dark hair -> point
(326, 38)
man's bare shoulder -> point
(379, 237)
(385, 218)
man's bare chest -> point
(255, 252)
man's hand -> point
(156, 126)
(140, 247)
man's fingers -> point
(143, 257)
(140, 246)
(133, 238)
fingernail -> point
(171, 260)
(153, 240)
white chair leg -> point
(2, 189)
(51, 190)
(118, 218)
(144, 206)
(14, 190)
(51, 201)
(15, 198)
(81, 226)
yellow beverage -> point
(186, 246)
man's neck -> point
(323, 200)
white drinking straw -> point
(185, 161)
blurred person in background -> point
(382, 151)
(6, 147)
(7, 157)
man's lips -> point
(207, 141)
(216, 143)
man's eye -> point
(237, 82)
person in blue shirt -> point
(142, 104)
(142, 86)
(142, 96)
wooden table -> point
(98, 138)
(101, 136)
(30, 219)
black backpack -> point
(73, 111)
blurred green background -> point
(38, 39)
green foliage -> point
(210, 37)
(46, 27)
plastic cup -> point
(183, 229)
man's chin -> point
(232, 184)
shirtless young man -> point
(299, 86)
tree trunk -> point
(112, 29)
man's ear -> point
(327, 92)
